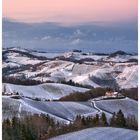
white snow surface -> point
(103, 68)
(125, 74)
(129, 77)
(60, 111)
(100, 133)
(11, 65)
(44, 91)
(128, 106)
(121, 58)
(47, 54)
(21, 59)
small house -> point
(112, 94)
(109, 94)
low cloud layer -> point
(55, 37)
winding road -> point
(93, 102)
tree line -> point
(78, 96)
(72, 83)
(41, 127)
(20, 81)
(131, 93)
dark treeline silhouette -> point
(98, 92)
(133, 60)
(131, 93)
(77, 96)
(40, 127)
(20, 81)
(118, 120)
(12, 70)
(72, 83)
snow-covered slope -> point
(120, 58)
(44, 91)
(60, 111)
(47, 54)
(64, 110)
(100, 133)
(81, 55)
(129, 77)
(20, 59)
(90, 69)
(128, 106)
(13, 107)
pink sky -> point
(70, 11)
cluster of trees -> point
(118, 120)
(7, 69)
(33, 127)
(77, 96)
(39, 127)
(131, 93)
(12, 70)
(20, 81)
(133, 60)
(98, 92)
(72, 83)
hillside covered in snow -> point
(48, 91)
(34, 83)
(100, 133)
(88, 69)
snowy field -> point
(47, 54)
(13, 107)
(67, 111)
(100, 133)
(21, 59)
(60, 111)
(100, 71)
(128, 106)
(44, 91)
(94, 70)
(128, 78)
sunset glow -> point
(71, 11)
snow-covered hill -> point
(87, 69)
(67, 111)
(96, 70)
(100, 133)
(128, 106)
(48, 91)
(128, 78)
(60, 111)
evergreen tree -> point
(113, 120)
(7, 123)
(103, 119)
(96, 119)
(131, 123)
(23, 132)
(14, 122)
(120, 119)
(84, 121)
